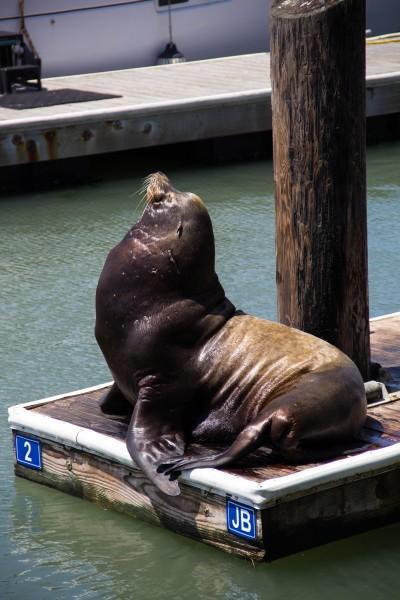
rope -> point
(386, 38)
(169, 21)
(23, 29)
(373, 43)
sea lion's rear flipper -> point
(248, 440)
(155, 437)
(301, 425)
(114, 402)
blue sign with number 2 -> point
(241, 519)
(28, 452)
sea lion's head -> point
(176, 226)
(165, 262)
(166, 204)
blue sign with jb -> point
(241, 519)
(28, 452)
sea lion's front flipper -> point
(155, 437)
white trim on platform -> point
(381, 317)
(34, 403)
(259, 495)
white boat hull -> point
(118, 36)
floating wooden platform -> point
(168, 104)
(261, 508)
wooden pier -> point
(260, 508)
(168, 104)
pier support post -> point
(318, 108)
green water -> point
(52, 247)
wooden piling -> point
(318, 120)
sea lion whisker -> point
(142, 193)
(146, 182)
(140, 203)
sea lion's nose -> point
(158, 185)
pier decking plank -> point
(385, 345)
(168, 104)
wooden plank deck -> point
(168, 104)
(356, 490)
(382, 429)
(385, 347)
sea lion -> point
(194, 368)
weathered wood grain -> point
(388, 418)
(385, 346)
(332, 514)
(318, 109)
(194, 513)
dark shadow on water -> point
(41, 176)
(56, 174)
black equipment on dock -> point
(19, 67)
